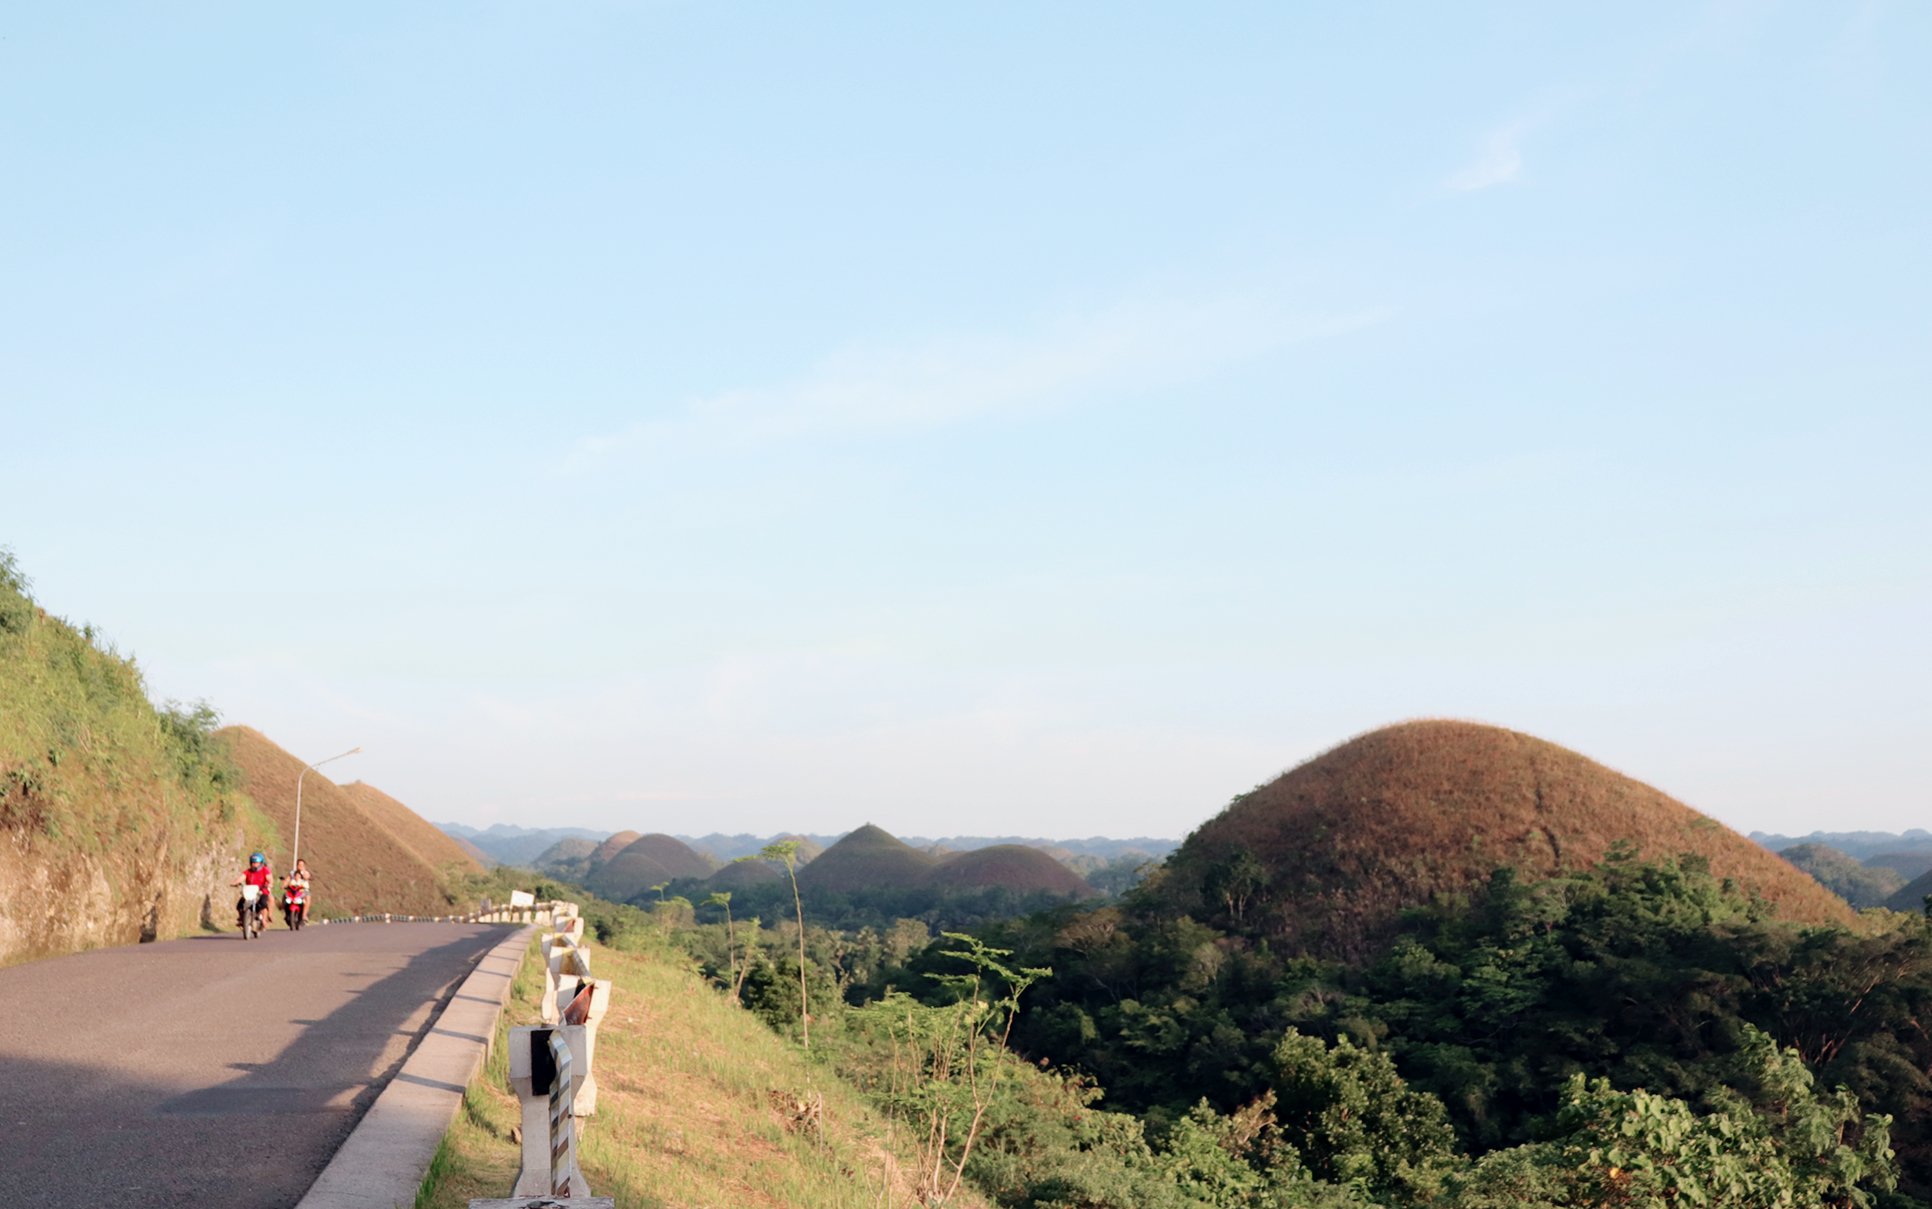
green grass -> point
(694, 1108)
(98, 786)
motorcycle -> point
(251, 913)
(295, 908)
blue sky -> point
(987, 419)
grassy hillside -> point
(360, 865)
(118, 820)
(1325, 858)
(694, 1108)
(1859, 884)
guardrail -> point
(546, 914)
(551, 1071)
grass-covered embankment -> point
(697, 1106)
(117, 819)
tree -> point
(1352, 1118)
(722, 898)
(786, 853)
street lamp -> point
(296, 849)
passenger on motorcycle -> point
(295, 893)
(258, 874)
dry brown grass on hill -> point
(867, 859)
(1013, 865)
(482, 858)
(626, 876)
(607, 851)
(678, 858)
(1396, 817)
(423, 837)
(360, 865)
(739, 875)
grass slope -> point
(359, 865)
(692, 1108)
(1391, 819)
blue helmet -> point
(256, 858)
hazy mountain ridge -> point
(1860, 844)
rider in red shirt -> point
(258, 874)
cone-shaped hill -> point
(1012, 865)
(867, 859)
(1393, 818)
(674, 854)
(360, 864)
(648, 860)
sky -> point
(991, 419)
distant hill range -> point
(580, 854)
(1861, 845)
(1325, 858)
(507, 844)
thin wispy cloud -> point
(1121, 351)
(1499, 163)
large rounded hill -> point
(647, 861)
(1012, 865)
(1338, 847)
(867, 859)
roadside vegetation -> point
(115, 812)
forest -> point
(1639, 1032)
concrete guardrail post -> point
(538, 1078)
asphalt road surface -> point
(212, 1072)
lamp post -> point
(296, 850)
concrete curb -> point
(385, 1158)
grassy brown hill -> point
(1012, 865)
(421, 836)
(627, 876)
(1339, 846)
(677, 857)
(474, 853)
(648, 860)
(867, 859)
(607, 851)
(360, 865)
(739, 875)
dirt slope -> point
(1394, 817)
(360, 866)
(421, 836)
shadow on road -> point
(200, 1095)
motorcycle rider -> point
(258, 874)
(295, 887)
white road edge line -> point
(385, 1158)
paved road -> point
(212, 1071)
